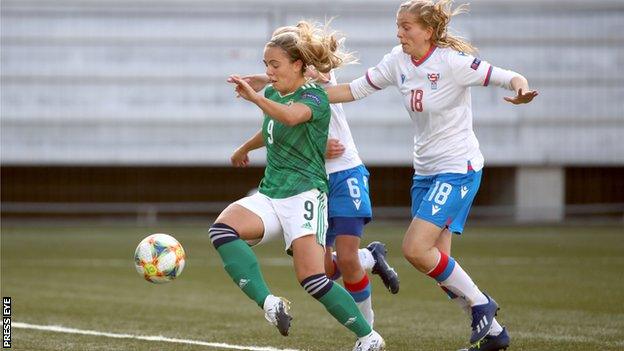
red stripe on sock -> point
(440, 267)
(353, 287)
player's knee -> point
(348, 262)
(221, 233)
(414, 254)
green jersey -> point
(296, 155)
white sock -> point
(366, 307)
(496, 328)
(460, 283)
(464, 305)
(366, 259)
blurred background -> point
(120, 110)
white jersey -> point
(436, 94)
(339, 129)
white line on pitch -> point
(59, 329)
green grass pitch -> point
(559, 288)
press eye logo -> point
(6, 322)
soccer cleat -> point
(276, 312)
(387, 274)
(370, 342)
(482, 318)
(491, 343)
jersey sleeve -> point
(316, 99)
(468, 70)
(376, 78)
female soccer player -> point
(292, 195)
(434, 70)
(349, 205)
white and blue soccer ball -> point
(159, 258)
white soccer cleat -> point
(370, 342)
(276, 312)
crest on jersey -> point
(475, 64)
(433, 78)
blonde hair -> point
(437, 15)
(313, 44)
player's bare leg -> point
(419, 248)
(229, 233)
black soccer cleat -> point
(491, 343)
(388, 275)
(283, 319)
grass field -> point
(559, 288)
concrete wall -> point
(140, 82)
(130, 83)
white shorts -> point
(292, 217)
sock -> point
(361, 293)
(338, 303)
(239, 262)
(450, 275)
(336, 274)
(366, 307)
(463, 304)
(367, 261)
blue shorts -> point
(349, 204)
(445, 199)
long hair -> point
(437, 15)
(313, 44)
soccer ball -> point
(159, 258)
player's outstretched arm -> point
(339, 93)
(524, 95)
(240, 157)
(289, 115)
(256, 81)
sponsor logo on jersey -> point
(464, 191)
(357, 203)
(402, 78)
(434, 209)
(433, 78)
(243, 282)
(475, 64)
(307, 225)
(461, 53)
(310, 96)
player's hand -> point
(240, 158)
(312, 73)
(243, 89)
(257, 82)
(334, 149)
(522, 98)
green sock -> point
(241, 264)
(341, 305)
